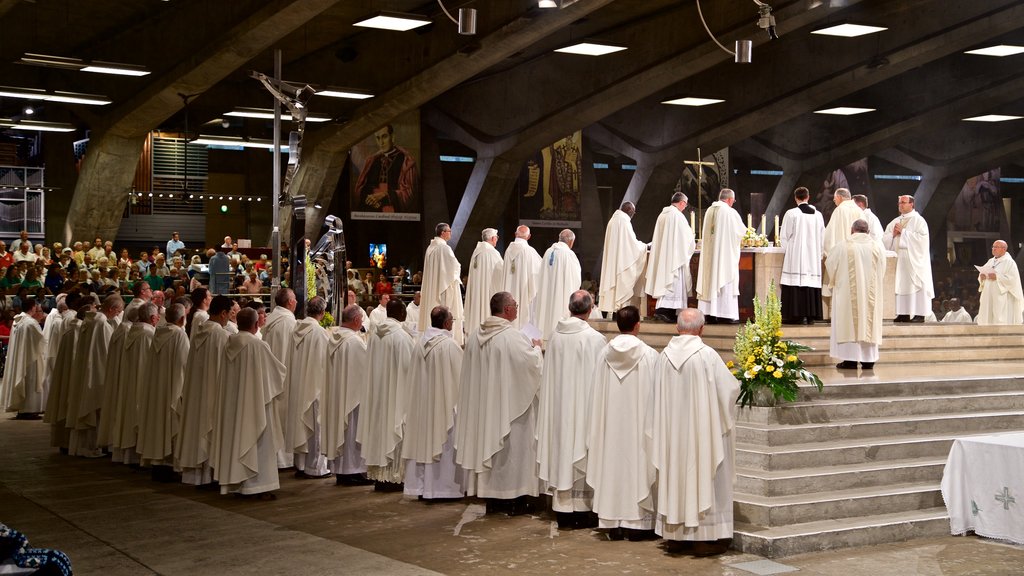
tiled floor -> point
(113, 521)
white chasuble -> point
(622, 263)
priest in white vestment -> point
(132, 381)
(874, 224)
(857, 268)
(5, 391)
(563, 411)
(198, 410)
(412, 314)
(622, 261)
(91, 359)
(277, 333)
(112, 412)
(160, 400)
(343, 395)
(64, 370)
(247, 432)
(718, 272)
(485, 275)
(693, 402)
(307, 377)
(907, 236)
(957, 314)
(619, 466)
(382, 418)
(1001, 299)
(802, 236)
(53, 327)
(668, 270)
(442, 281)
(495, 440)
(521, 275)
(436, 371)
(838, 230)
(379, 312)
(25, 369)
(560, 276)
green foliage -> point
(327, 321)
(764, 359)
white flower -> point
(748, 375)
(778, 362)
(756, 368)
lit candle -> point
(750, 220)
(776, 229)
(693, 221)
(763, 221)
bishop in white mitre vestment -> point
(442, 282)
(718, 272)
(907, 236)
(160, 400)
(668, 269)
(25, 370)
(560, 276)
(1001, 299)
(307, 378)
(693, 402)
(521, 275)
(485, 275)
(436, 372)
(343, 395)
(622, 261)
(563, 413)
(857, 268)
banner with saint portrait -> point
(549, 186)
(385, 182)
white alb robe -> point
(136, 356)
(668, 271)
(412, 318)
(25, 370)
(160, 398)
(53, 327)
(495, 440)
(277, 333)
(376, 316)
(619, 467)
(856, 268)
(307, 377)
(112, 391)
(64, 370)
(914, 290)
(622, 264)
(382, 416)
(690, 423)
(198, 410)
(718, 272)
(875, 229)
(90, 350)
(485, 274)
(560, 276)
(563, 414)
(961, 316)
(521, 278)
(247, 432)
(343, 394)
(1001, 299)
(802, 235)
(436, 371)
(836, 232)
(442, 286)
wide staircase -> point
(860, 463)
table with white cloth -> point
(983, 486)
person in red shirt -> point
(382, 286)
(6, 258)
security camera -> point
(766, 21)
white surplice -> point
(307, 377)
(64, 369)
(343, 394)
(802, 236)
(690, 422)
(619, 466)
(1001, 299)
(961, 316)
(914, 290)
(718, 272)
(563, 414)
(560, 276)
(442, 286)
(198, 409)
(436, 370)
(91, 362)
(856, 267)
(382, 413)
(495, 440)
(277, 333)
(521, 278)
(131, 381)
(485, 275)
(160, 398)
(875, 229)
(668, 269)
(622, 263)
(25, 370)
(109, 413)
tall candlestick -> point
(763, 219)
(776, 229)
(750, 220)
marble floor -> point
(114, 521)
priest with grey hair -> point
(857, 268)
(560, 276)
(718, 271)
(344, 394)
(521, 275)
(622, 261)
(668, 270)
(307, 378)
(160, 399)
(485, 272)
(442, 281)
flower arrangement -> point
(754, 240)
(328, 320)
(765, 363)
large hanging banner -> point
(386, 182)
(979, 206)
(549, 185)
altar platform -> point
(860, 463)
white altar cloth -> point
(983, 486)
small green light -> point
(223, 208)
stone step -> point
(845, 452)
(840, 477)
(770, 511)
(832, 410)
(831, 534)
(769, 435)
(871, 388)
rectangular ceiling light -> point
(268, 114)
(236, 141)
(66, 97)
(394, 21)
(116, 69)
(849, 30)
(97, 66)
(591, 48)
(36, 125)
(344, 93)
(844, 111)
(1000, 50)
(693, 101)
(992, 118)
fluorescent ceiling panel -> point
(268, 114)
(1000, 50)
(344, 93)
(692, 101)
(844, 111)
(849, 30)
(394, 21)
(992, 118)
(591, 49)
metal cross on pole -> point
(700, 180)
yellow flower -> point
(769, 368)
(729, 364)
(750, 360)
(791, 358)
(778, 334)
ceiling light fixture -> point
(466, 20)
(398, 21)
(235, 141)
(847, 30)
(268, 114)
(692, 101)
(65, 97)
(591, 48)
(1000, 50)
(844, 111)
(97, 66)
(744, 52)
(37, 125)
(350, 93)
(992, 118)
(28, 110)
(547, 4)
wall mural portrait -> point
(854, 177)
(550, 185)
(387, 184)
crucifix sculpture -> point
(700, 195)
